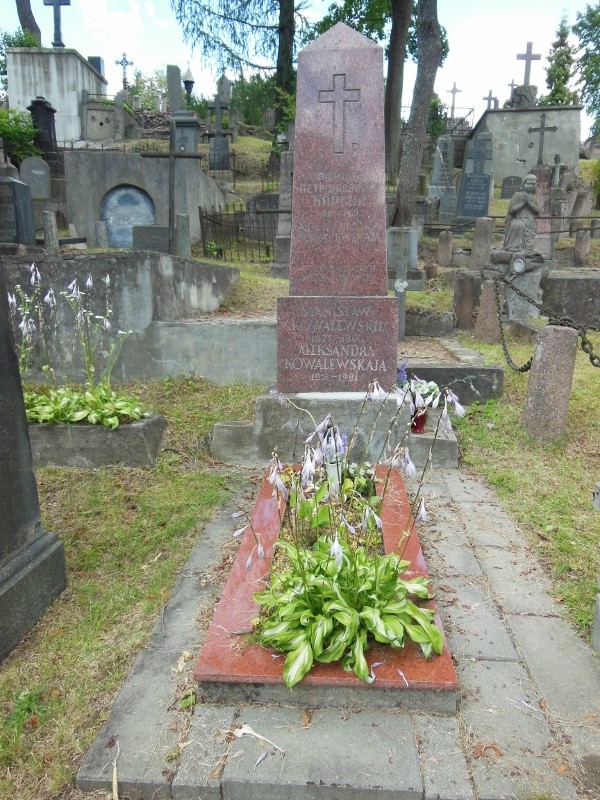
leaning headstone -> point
(442, 172)
(595, 228)
(218, 152)
(174, 91)
(582, 247)
(338, 330)
(444, 251)
(482, 242)
(50, 232)
(510, 185)
(550, 379)
(16, 213)
(183, 239)
(476, 182)
(35, 172)
(487, 325)
(32, 561)
(544, 242)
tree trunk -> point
(27, 20)
(284, 75)
(401, 14)
(429, 45)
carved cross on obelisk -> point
(124, 63)
(339, 96)
(453, 91)
(528, 56)
(542, 129)
(58, 42)
(490, 100)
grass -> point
(127, 533)
(546, 488)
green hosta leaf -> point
(394, 629)
(321, 519)
(297, 663)
(321, 629)
(375, 624)
(321, 492)
(361, 668)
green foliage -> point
(586, 29)
(19, 38)
(17, 132)
(560, 69)
(95, 405)
(149, 87)
(251, 98)
(437, 115)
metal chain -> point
(566, 322)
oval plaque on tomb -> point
(121, 209)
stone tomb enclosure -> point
(338, 329)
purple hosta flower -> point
(308, 467)
(368, 515)
(107, 280)
(337, 552)
(12, 303)
(375, 393)
(422, 512)
(346, 524)
(278, 396)
(240, 515)
(402, 395)
(445, 423)
(408, 467)
(89, 284)
(249, 561)
(318, 455)
(35, 278)
(453, 400)
(275, 477)
(260, 551)
(321, 429)
(401, 375)
(73, 288)
(418, 399)
(106, 326)
(50, 299)
(333, 444)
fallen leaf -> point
(447, 588)
(47, 757)
(561, 769)
(306, 718)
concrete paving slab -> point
(444, 540)
(570, 694)
(489, 524)
(511, 749)
(473, 625)
(519, 584)
(445, 772)
(330, 754)
(199, 770)
(462, 487)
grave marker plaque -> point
(474, 197)
(510, 185)
(338, 329)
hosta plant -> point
(334, 592)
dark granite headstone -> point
(16, 214)
(97, 63)
(35, 172)
(151, 237)
(476, 183)
(43, 113)
(337, 331)
(123, 208)
(174, 91)
(32, 563)
(510, 185)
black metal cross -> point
(339, 96)
(542, 129)
(512, 85)
(528, 56)
(123, 63)
(490, 99)
(58, 42)
(453, 91)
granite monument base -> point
(30, 582)
(330, 344)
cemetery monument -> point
(337, 331)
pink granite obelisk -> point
(338, 330)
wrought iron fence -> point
(239, 234)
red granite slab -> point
(227, 659)
(336, 343)
(338, 244)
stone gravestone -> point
(338, 330)
(32, 562)
(476, 183)
(544, 242)
(510, 185)
(441, 184)
(281, 265)
(174, 92)
(123, 208)
(35, 172)
(16, 213)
